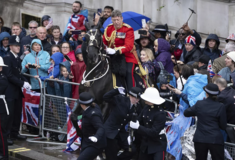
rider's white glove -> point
(121, 90)
(110, 51)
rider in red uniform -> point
(119, 39)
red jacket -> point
(71, 55)
(124, 40)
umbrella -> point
(131, 18)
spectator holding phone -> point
(68, 52)
(37, 62)
(47, 22)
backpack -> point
(164, 77)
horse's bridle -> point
(103, 56)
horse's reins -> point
(92, 38)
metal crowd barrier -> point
(40, 112)
(230, 147)
(54, 119)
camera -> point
(27, 47)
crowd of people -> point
(173, 66)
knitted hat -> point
(191, 40)
(231, 55)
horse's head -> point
(94, 45)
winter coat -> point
(71, 55)
(46, 45)
(77, 70)
(151, 69)
(42, 59)
(225, 73)
(192, 56)
(213, 54)
(164, 55)
(3, 52)
(57, 58)
(6, 29)
(64, 89)
(219, 63)
(226, 97)
(211, 118)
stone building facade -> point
(212, 16)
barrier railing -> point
(39, 127)
(230, 146)
(54, 119)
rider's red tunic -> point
(121, 39)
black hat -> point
(204, 59)
(44, 18)
(161, 28)
(14, 40)
(135, 92)
(211, 89)
(85, 98)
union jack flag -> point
(209, 68)
(72, 136)
(77, 22)
(51, 69)
(30, 107)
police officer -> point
(93, 133)
(3, 113)
(150, 126)
(119, 39)
(14, 93)
(122, 110)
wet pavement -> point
(29, 150)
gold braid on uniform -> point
(110, 39)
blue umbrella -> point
(131, 18)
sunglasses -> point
(33, 27)
(183, 34)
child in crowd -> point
(53, 71)
(64, 89)
(77, 70)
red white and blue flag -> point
(77, 22)
(72, 137)
(209, 68)
(30, 107)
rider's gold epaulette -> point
(127, 25)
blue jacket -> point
(3, 35)
(57, 58)
(42, 58)
(64, 89)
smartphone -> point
(170, 86)
(31, 66)
(94, 15)
(67, 58)
(144, 32)
(143, 23)
(99, 11)
(76, 32)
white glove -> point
(121, 90)
(134, 125)
(27, 86)
(110, 51)
(129, 139)
(93, 139)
